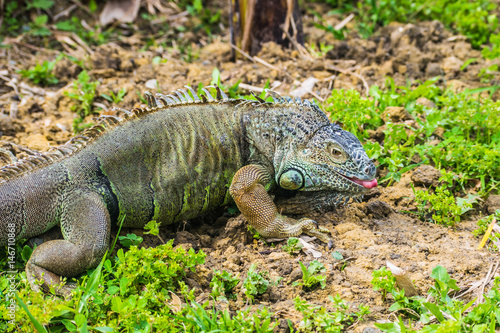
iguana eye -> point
(335, 152)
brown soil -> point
(368, 233)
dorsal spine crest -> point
(154, 103)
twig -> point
(250, 87)
(491, 273)
(318, 97)
(248, 19)
(302, 50)
(344, 22)
(81, 6)
(243, 53)
(8, 41)
(487, 234)
(254, 59)
(265, 63)
(286, 25)
(65, 12)
(343, 71)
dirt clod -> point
(425, 175)
(492, 203)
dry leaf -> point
(403, 281)
(175, 304)
(121, 10)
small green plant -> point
(384, 281)
(42, 73)
(493, 51)
(319, 319)
(130, 240)
(311, 276)
(84, 91)
(255, 283)
(39, 26)
(485, 222)
(208, 19)
(292, 246)
(444, 207)
(340, 258)
(320, 51)
(223, 284)
(483, 225)
(488, 74)
(115, 98)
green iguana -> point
(181, 156)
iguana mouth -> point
(365, 183)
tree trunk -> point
(254, 22)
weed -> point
(222, 283)
(115, 98)
(39, 26)
(483, 225)
(130, 240)
(443, 206)
(322, 51)
(255, 283)
(383, 280)
(42, 74)
(319, 319)
(255, 233)
(17, 20)
(311, 276)
(208, 20)
(292, 246)
(493, 51)
(339, 257)
(84, 91)
(488, 74)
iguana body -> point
(176, 160)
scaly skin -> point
(175, 160)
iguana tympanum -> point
(181, 156)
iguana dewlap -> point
(176, 159)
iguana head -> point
(331, 160)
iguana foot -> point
(249, 193)
(283, 226)
(41, 279)
(316, 231)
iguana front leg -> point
(85, 224)
(249, 193)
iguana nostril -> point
(369, 170)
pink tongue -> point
(366, 183)
(369, 184)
